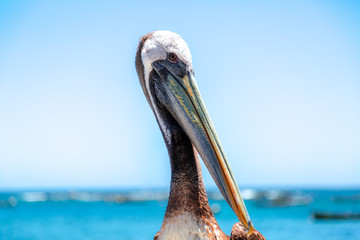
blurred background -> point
(82, 157)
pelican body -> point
(164, 67)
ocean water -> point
(39, 218)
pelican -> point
(164, 67)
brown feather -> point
(238, 233)
(140, 66)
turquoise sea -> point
(95, 215)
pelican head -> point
(164, 67)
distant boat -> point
(9, 203)
(281, 199)
(336, 215)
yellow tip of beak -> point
(250, 230)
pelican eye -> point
(172, 57)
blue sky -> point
(280, 79)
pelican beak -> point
(179, 94)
